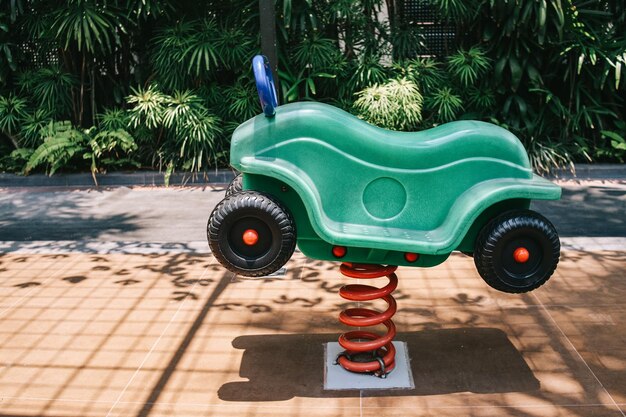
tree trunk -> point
(93, 95)
(82, 90)
(12, 139)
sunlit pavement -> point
(112, 325)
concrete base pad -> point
(337, 378)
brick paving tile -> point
(176, 335)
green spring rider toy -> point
(344, 190)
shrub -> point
(395, 105)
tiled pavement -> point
(88, 334)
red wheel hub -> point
(521, 255)
(250, 237)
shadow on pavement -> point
(280, 367)
(57, 216)
(592, 211)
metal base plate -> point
(337, 378)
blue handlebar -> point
(265, 85)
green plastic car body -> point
(348, 191)
(382, 193)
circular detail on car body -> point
(384, 198)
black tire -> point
(235, 186)
(273, 224)
(498, 241)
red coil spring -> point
(358, 341)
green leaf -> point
(287, 12)
(516, 72)
(581, 60)
(613, 135)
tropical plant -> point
(148, 106)
(51, 88)
(113, 119)
(300, 86)
(92, 28)
(167, 50)
(425, 72)
(7, 62)
(90, 25)
(31, 126)
(62, 142)
(617, 140)
(191, 52)
(15, 161)
(12, 110)
(65, 146)
(395, 105)
(241, 101)
(468, 67)
(445, 104)
(366, 71)
(551, 72)
(186, 132)
(557, 75)
(148, 9)
(109, 148)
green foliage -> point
(395, 105)
(240, 101)
(15, 161)
(193, 51)
(481, 98)
(187, 133)
(315, 50)
(455, 88)
(427, 72)
(148, 9)
(50, 88)
(366, 71)
(551, 72)
(147, 107)
(406, 41)
(200, 52)
(445, 104)
(7, 62)
(234, 46)
(168, 45)
(109, 148)
(31, 127)
(63, 145)
(90, 25)
(468, 67)
(456, 10)
(114, 119)
(617, 141)
(545, 158)
(62, 142)
(12, 110)
(557, 75)
(301, 86)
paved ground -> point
(165, 331)
(174, 335)
(179, 214)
